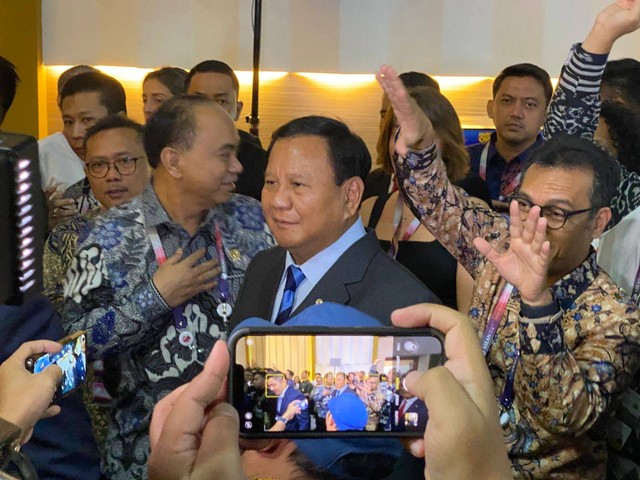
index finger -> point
(33, 348)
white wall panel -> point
(446, 37)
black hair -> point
(525, 70)
(623, 124)
(110, 90)
(72, 72)
(8, 85)
(624, 76)
(214, 66)
(568, 151)
(112, 122)
(347, 151)
(419, 79)
(174, 124)
(173, 78)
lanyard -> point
(223, 283)
(506, 398)
(483, 172)
(397, 226)
(178, 318)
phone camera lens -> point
(410, 346)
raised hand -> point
(613, 22)
(416, 131)
(526, 263)
(463, 411)
(59, 209)
(180, 279)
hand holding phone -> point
(71, 358)
(24, 397)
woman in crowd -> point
(399, 231)
(161, 85)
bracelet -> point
(281, 419)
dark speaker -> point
(22, 219)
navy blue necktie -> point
(293, 281)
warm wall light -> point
(343, 80)
(246, 77)
(124, 74)
(456, 82)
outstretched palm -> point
(416, 131)
(525, 264)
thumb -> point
(53, 373)
(175, 258)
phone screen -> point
(73, 362)
(330, 382)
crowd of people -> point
(163, 238)
(301, 405)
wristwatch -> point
(281, 419)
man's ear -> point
(239, 106)
(490, 109)
(353, 189)
(601, 220)
(171, 160)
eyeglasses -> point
(124, 166)
(556, 216)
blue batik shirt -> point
(109, 293)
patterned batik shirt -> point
(109, 294)
(570, 367)
(59, 252)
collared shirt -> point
(570, 367)
(109, 294)
(501, 174)
(59, 164)
(280, 397)
(316, 267)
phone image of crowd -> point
(331, 383)
(72, 360)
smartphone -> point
(72, 359)
(372, 408)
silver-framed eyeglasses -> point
(556, 216)
(123, 165)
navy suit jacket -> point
(299, 422)
(364, 277)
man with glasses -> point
(154, 280)
(117, 170)
(560, 338)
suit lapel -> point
(348, 270)
(272, 275)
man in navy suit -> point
(286, 395)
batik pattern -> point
(108, 293)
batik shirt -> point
(109, 294)
(570, 367)
(59, 252)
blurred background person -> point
(161, 85)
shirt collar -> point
(155, 214)
(493, 151)
(315, 268)
(572, 285)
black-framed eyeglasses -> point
(556, 216)
(124, 166)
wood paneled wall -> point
(293, 95)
